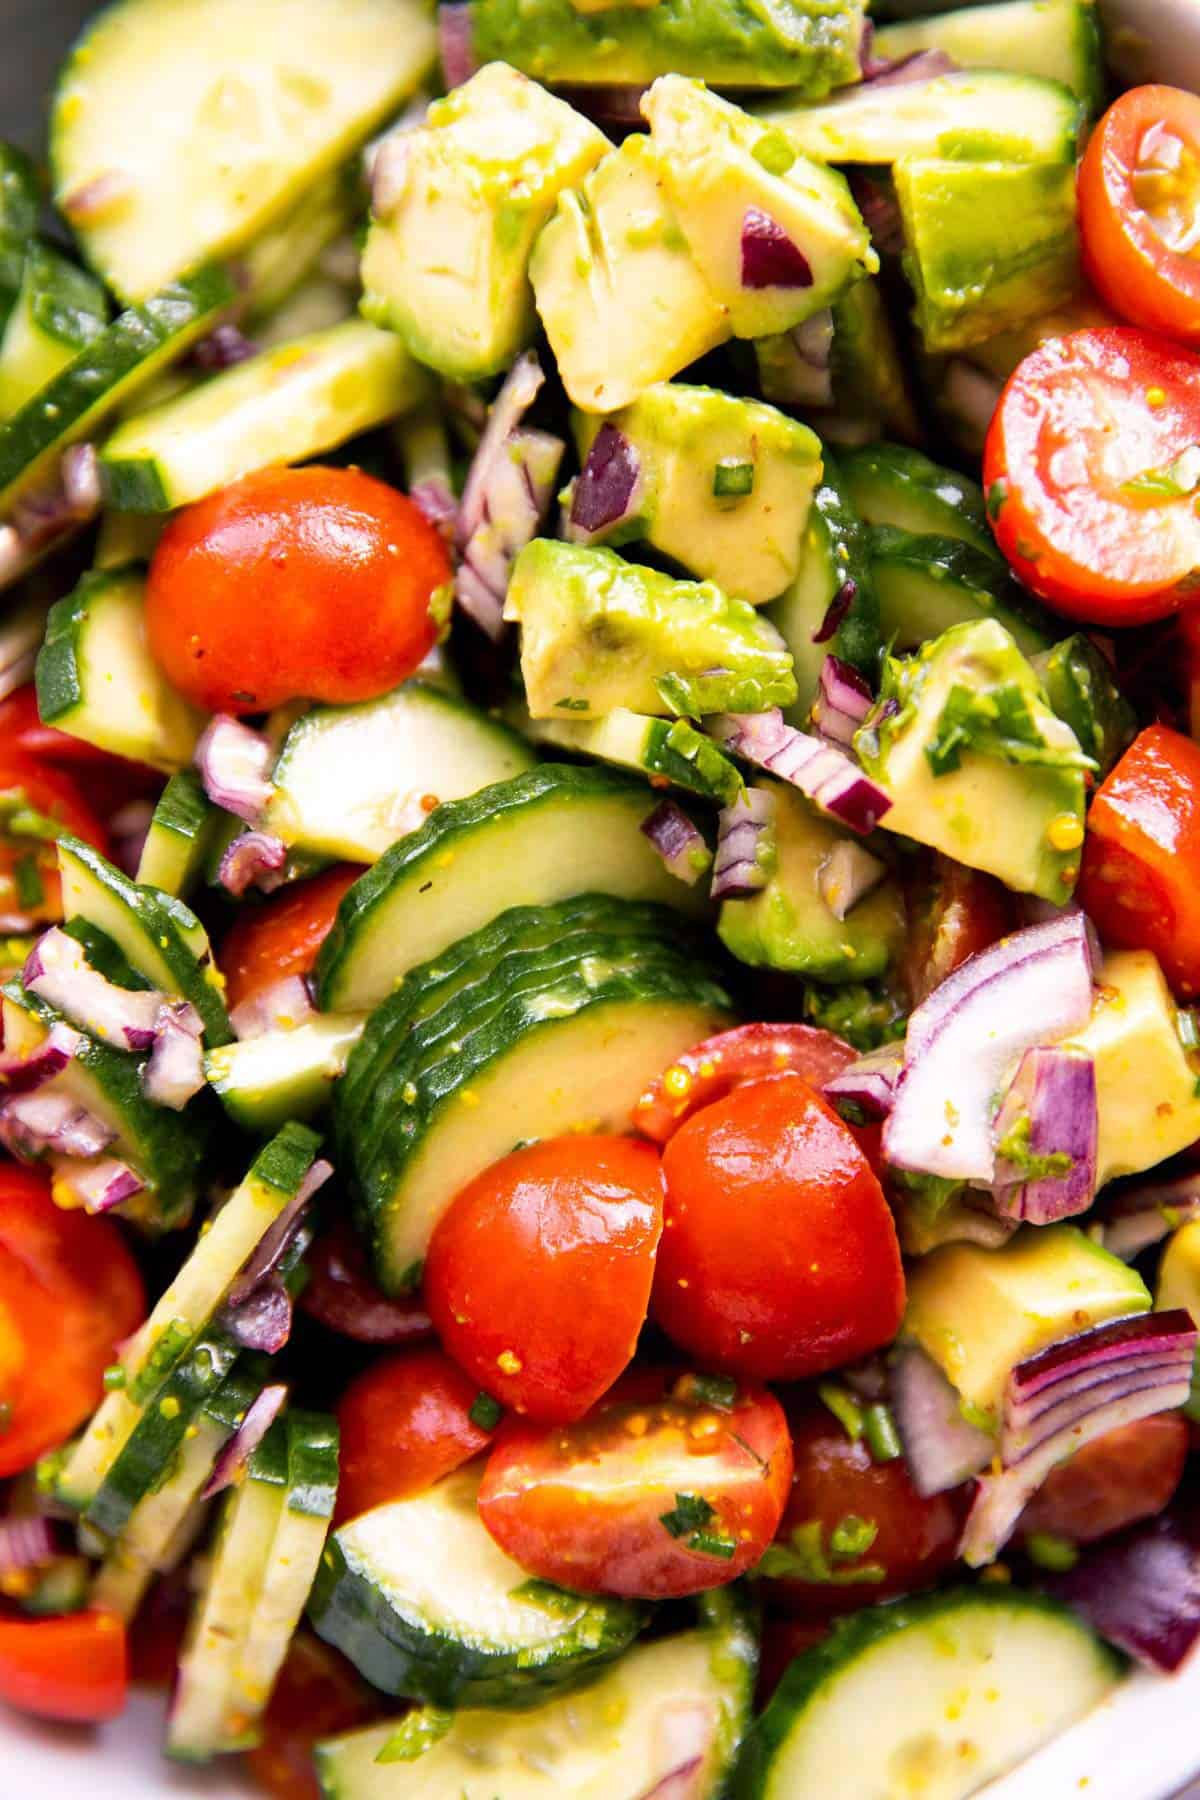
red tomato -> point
(860, 1522)
(293, 584)
(1139, 183)
(341, 1294)
(783, 1640)
(318, 1694)
(1139, 858)
(105, 782)
(953, 912)
(1126, 1475)
(266, 943)
(404, 1424)
(721, 1063)
(69, 1292)
(157, 1632)
(779, 1256)
(56, 796)
(1087, 500)
(646, 1498)
(73, 1668)
(538, 1275)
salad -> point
(600, 937)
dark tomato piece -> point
(266, 943)
(725, 1061)
(341, 1294)
(404, 1423)
(1126, 1475)
(318, 1695)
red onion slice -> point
(678, 841)
(33, 1125)
(455, 44)
(100, 1185)
(1142, 1214)
(435, 498)
(175, 1070)
(616, 107)
(870, 1081)
(224, 348)
(769, 256)
(520, 389)
(605, 493)
(1054, 1098)
(234, 764)
(823, 773)
(1141, 1591)
(684, 1783)
(58, 971)
(517, 488)
(22, 1074)
(253, 859)
(922, 65)
(30, 1542)
(128, 829)
(261, 1414)
(941, 1449)
(279, 1008)
(262, 1320)
(268, 1252)
(843, 701)
(846, 876)
(745, 834)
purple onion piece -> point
(279, 1008)
(823, 773)
(514, 491)
(683, 1783)
(21, 1075)
(683, 1736)
(1141, 1591)
(435, 498)
(234, 764)
(769, 257)
(261, 1414)
(520, 389)
(35, 1124)
(616, 107)
(941, 1449)
(1140, 1214)
(603, 496)
(58, 971)
(847, 875)
(1071, 1358)
(265, 1257)
(838, 607)
(223, 348)
(875, 196)
(745, 845)
(904, 71)
(1052, 1100)
(843, 701)
(175, 1070)
(870, 1082)
(455, 44)
(678, 841)
(100, 1185)
(263, 1319)
(253, 859)
(79, 473)
(128, 829)
(27, 1542)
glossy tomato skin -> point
(1080, 420)
(836, 1483)
(1127, 1475)
(404, 1423)
(538, 1275)
(57, 795)
(310, 583)
(585, 1505)
(341, 1294)
(74, 1669)
(1130, 215)
(719, 1064)
(283, 936)
(779, 1257)
(1137, 880)
(953, 913)
(318, 1695)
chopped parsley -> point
(688, 1520)
(485, 1412)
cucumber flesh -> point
(1056, 39)
(889, 484)
(264, 1081)
(670, 749)
(178, 840)
(926, 584)
(57, 313)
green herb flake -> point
(485, 1412)
(804, 1557)
(569, 705)
(416, 1734)
(1050, 1551)
(997, 495)
(732, 479)
(844, 1407)
(27, 878)
(690, 1513)
(711, 1543)
(1174, 482)
(720, 1391)
(114, 1378)
(879, 1429)
(1015, 1147)
(851, 1537)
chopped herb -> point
(485, 1412)
(114, 1378)
(1178, 479)
(720, 1391)
(691, 1512)
(1187, 1024)
(710, 1543)
(1014, 1147)
(997, 494)
(28, 879)
(978, 1416)
(732, 479)
(883, 1440)
(805, 1558)
(416, 1734)
(852, 1536)
(1049, 1551)
(844, 1407)
(999, 722)
(569, 705)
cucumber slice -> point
(664, 749)
(126, 538)
(424, 1604)
(179, 837)
(889, 484)
(281, 260)
(539, 838)
(251, 107)
(926, 584)
(316, 305)
(57, 312)
(133, 349)
(1056, 39)
(282, 406)
(265, 1081)
(935, 1696)
(97, 680)
(971, 116)
(20, 201)
(351, 780)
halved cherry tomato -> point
(69, 1292)
(1088, 498)
(649, 1498)
(538, 1275)
(953, 912)
(1137, 881)
(282, 936)
(857, 1530)
(318, 1694)
(1139, 185)
(310, 583)
(779, 1256)
(1126, 1475)
(725, 1061)
(341, 1294)
(157, 1632)
(105, 782)
(74, 1668)
(404, 1423)
(26, 859)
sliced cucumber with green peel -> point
(252, 108)
(1056, 39)
(940, 1694)
(282, 406)
(20, 201)
(58, 311)
(281, 260)
(534, 840)
(928, 583)
(889, 484)
(1083, 690)
(125, 538)
(664, 749)
(426, 1605)
(351, 780)
(264, 1081)
(127, 355)
(317, 304)
(177, 842)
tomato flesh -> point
(1127, 1475)
(73, 1669)
(723, 1062)
(779, 1257)
(646, 1498)
(953, 913)
(283, 936)
(318, 1695)
(403, 1424)
(538, 1275)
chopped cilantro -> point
(485, 1412)
(805, 1558)
(844, 1407)
(687, 1520)
(416, 1734)
(720, 1391)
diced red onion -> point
(822, 772)
(941, 1449)
(223, 348)
(261, 1414)
(279, 1008)
(520, 389)
(922, 65)
(79, 472)
(253, 859)
(875, 197)
(796, 369)
(435, 498)
(1055, 1089)
(175, 1070)
(263, 1319)
(343, 1297)
(1029, 989)
(1141, 1591)
(21, 634)
(516, 498)
(22, 1074)
(234, 764)
(1142, 1214)
(843, 702)
(98, 1185)
(616, 107)
(128, 829)
(744, 831)
(605, 492)
(836, 611)
(682, 1738)
(31, 1125)
(455, 45)
(267, 1253)
(847, 875)
(870, 1082)
(769, 257)
(678, 841)
(683, 1783)
(27, 1542)
(58, 971)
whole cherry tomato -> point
(953, 912)
(1091, 497)
(779, 1256)
(538, 1275)
(341, 1294)
(725, 1061)
(404, 1423)
(312, 583)
(1126, 1475)
(648, 1498)
(74, 1668)
(318, 1695)
(266, 943)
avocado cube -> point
(446, 263)
(979, 1312)
(1179, 1272)
(599, 633)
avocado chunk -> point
(1080, 687)
(723, 485)
(598, 632)
(776, 236)
(618, 290)
(976, 763)
(446, 263)
(789, 924)
(977, 1313)
(1146, 1086)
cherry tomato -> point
(783, 1640)
(1137, 881)
(404, 1423)
(648, 1498)
(779, 1256)
(538, 1275)
(1126, 1475)
(1088, 499)
(30, 859)
(105, 782)
(309, 583)
(73, 1668)
(1139, 184)
(341, 1294)
(266, 943)
(953, 912)
(157, 1632)
(721, 1063)
(69, 1292)
(318, 1694)
(856, 1530)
